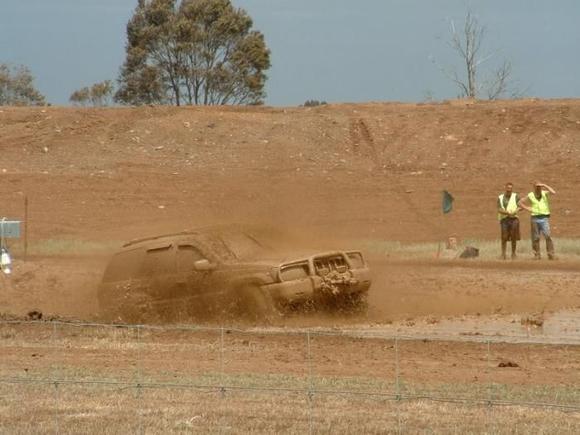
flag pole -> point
(446, 207)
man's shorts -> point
(540, 226)
(510, 229)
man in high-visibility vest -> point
(507, 214)
(538, 204)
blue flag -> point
(447, 203)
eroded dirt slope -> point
(366, 170)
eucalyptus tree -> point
(192, 52)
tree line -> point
(206, 52)
(99, 94)
(17, 87)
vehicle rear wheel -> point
(131, 310)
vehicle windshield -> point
(244, 246)
(234, 246)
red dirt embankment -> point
(365, 170)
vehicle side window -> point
(187, 255)
(158, 261)
(124, 265)
(294, 271)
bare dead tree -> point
(498, 85)
(467, 43)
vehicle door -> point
(194, 272)
(121, 278)
(158, 270)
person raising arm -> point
(537, 203)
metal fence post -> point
(222, 387)
(397, 380)
(398, 387)
(55, 379)
(138, 379)
(310, 385)
(489, 387)
(490, 381)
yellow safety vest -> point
(512, 206)
(541, 207)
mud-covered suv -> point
(216, 270)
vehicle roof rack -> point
(200, 230)
(162, 236)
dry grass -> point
(566, 248)
(488, 249)
(115, 380)
(50, 247)
(106, 409)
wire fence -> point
(71, 377)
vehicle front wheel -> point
(351, 304)
(131, 310)
(256, 304)
(358, 303)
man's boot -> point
(536, 249)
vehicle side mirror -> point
(203, 265)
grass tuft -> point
(488, 249)
(48, 247)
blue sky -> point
(333, 50)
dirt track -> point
(333, 175)
(403, 290)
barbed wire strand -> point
(378, 394)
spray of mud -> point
(57, 286)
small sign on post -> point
(8, 230)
